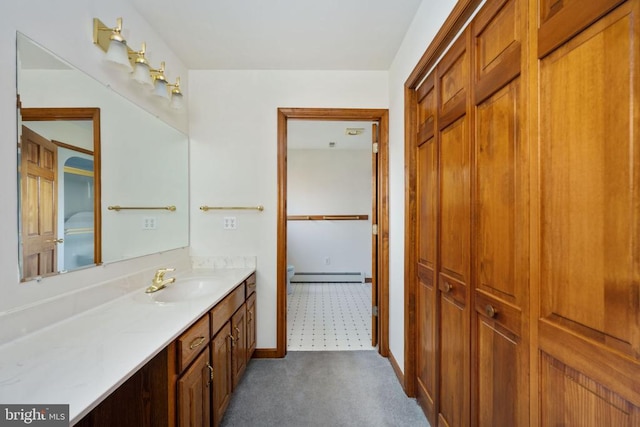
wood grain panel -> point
(571, 398)
(452, 74)
(589, 221)
(454, 365)
(562, 19)
(426, 110)
(497, 32)
(499, 371)
(500, 207)
(427, 161)
(221, 353)
(426, 330)
(454, 200)
(194, 394)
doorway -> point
(379, 214)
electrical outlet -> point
(327, 260)
(230, 223)
(149, 223)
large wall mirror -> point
(100, 179)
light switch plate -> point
(149, 223)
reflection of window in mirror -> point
(59, 178)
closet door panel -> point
(426, 302)
(427, 209)
(589, 212)
(453, 280)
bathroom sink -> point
(186, 289)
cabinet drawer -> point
(223, 311)
(251, 284)
(192, 342)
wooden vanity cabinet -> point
(232, 344)
(189, 383)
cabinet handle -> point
(490, 311)
(447, 287)
(250, 315)
(197, 342)
(237, 332)
(233, 340)
(210, 374)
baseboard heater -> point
(328, 277)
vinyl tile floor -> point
(329, 316)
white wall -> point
(429, 18)
(65, 28)
(233, 130)
(329, 182)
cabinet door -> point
(194, 393)
(221, 361)
(239, 351)
(251, 325)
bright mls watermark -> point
(34, 415)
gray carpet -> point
(322, 388)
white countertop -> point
(81, 360)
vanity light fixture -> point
(177, 102)
(142, 69)
(160, 82)
(110, 40)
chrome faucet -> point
(159, 282)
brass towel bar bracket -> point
(232, 208)
(129, 208)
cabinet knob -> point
(490, 311)
(447, 287)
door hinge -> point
(375, 148)
(374, 229)
(374, 310)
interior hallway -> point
(322, 388)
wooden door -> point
(221, 351)
(374, 236)
(500, 391)
(38, 169)
(251, 325)
(194, 394)
(427, 243)
(454, 236)
(588, 258)
(239, 344)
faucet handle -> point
(165, 270)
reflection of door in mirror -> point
(38, 166)
(60, 220)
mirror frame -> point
(44, 114)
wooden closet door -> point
(454, 236)
(427, 243)
(589, 224)
(500, 392)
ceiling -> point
(282, 34)
(317, 134)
